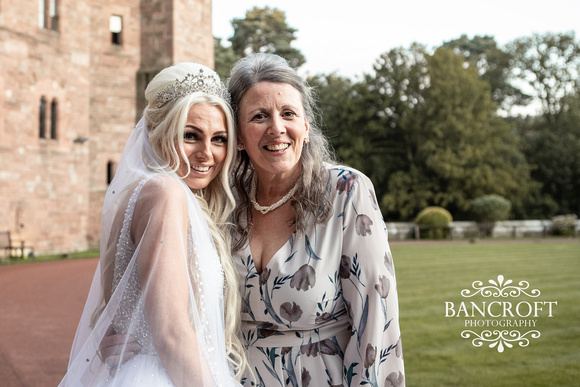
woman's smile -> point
(277, 147)
(198, 168)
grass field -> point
(435, 354)
(53, 257)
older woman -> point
(319, 292)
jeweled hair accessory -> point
(192, 83)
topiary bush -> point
(435, 222)
(564, 225)
(490, 208)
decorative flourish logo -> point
(500, 289)
(500, 313)
(500, 338)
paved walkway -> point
(40, 307)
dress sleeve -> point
(373, 354)
(160, 230)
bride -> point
(165, 275)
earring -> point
(240, 147)
(306, 140)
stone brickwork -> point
(51, 189)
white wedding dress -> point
(151, 220)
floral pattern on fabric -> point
(324, 311)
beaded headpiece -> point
(192, 83)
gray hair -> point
(312, 201)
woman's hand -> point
(116, 349)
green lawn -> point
(435, 354)
(51, 257)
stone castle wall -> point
(51, 189)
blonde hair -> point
(166, 127)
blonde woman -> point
(165, 279)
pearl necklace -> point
(264, 210)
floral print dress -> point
(324, 311)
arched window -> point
(53, 119)
(42, 118)
(110, 172)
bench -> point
(12, 250)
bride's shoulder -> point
(162, 191)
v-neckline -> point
(278, 252)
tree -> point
(552, 147)
(224, 58)
(370, 122)
(462, 148)
(395, 103)
(350, 122)
(493, 66)
(426, 131)
(398, 86)
(340, 116)
(265, 30)
(550, 65)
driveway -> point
(40, 306)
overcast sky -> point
(347, 36)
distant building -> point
(72, 76)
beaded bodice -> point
(130, 317)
